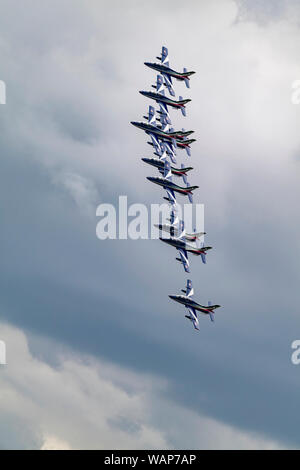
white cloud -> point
(52, 443)
(91, 404)
(82, 191)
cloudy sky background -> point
(98, 357)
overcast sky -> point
(97, 355)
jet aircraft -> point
(164, 102)
(180, 243)
(173, 228)
(192, 306)
(167, 183)
(159, 164)
(168, 73)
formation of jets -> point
(166, 141)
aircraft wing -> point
(184, 259)
(164, 110)
(193, 317)
(170, 151)
(168, 83)
(189, 288)
(203, 257)
(171, 196)
(155, 142)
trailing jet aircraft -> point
(169, 186)
(192, 306)
(167, 72)
(184, 248)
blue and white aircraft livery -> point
(180, 243)
(167, 72)
(194, 307)
(171, 188)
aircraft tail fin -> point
(182, 109)
(186, 80)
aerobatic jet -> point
(162, 131)
(173, 229)
(167, 183)
(159, 164)
(180, 243)
(164, 101)
(167, 72)
(192, 306)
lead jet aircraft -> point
(184, 248)
(167, 183)
(192, 306)
(167, 72)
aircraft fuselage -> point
(164, 99)
(177, 243)
(160, 165)
(167, 70)
(162, 134)
(170, 185)
(187, 302)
